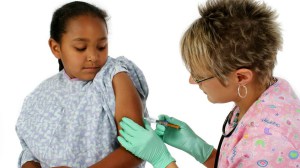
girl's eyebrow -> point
(86, 40)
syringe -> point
(162, 122)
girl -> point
(70, 118)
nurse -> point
(230, 52)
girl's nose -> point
(92, 56)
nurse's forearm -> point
(172, 165)
(210, 162)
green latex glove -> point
(184, 139)
(144, 143)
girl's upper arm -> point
(128, 101)
(31, 164)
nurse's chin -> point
(209, 99)
(214, 101)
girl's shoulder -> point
(116, 65)
(49, 84)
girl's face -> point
(84, 47)
(216, 92)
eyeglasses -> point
(201, 80)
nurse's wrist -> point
(172, 165)
(210, 162)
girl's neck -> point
(68, 77)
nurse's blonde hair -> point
(232, 34)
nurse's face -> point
(213, 88)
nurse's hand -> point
(144, 143)
(184, 139)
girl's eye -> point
(80, 49)
(102, 48)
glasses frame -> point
(202, 80)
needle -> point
(162, 122)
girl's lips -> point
(90, 67)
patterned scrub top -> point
(71, 122)
(268, 135)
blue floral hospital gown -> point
(67, 122)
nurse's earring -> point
(245, 92)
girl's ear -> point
(243, 76)
(55, 48)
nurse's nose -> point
(192, 81)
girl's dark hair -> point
(69, 11)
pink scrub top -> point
(268, 135)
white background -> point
(147, 32)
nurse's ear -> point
(243, 76)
